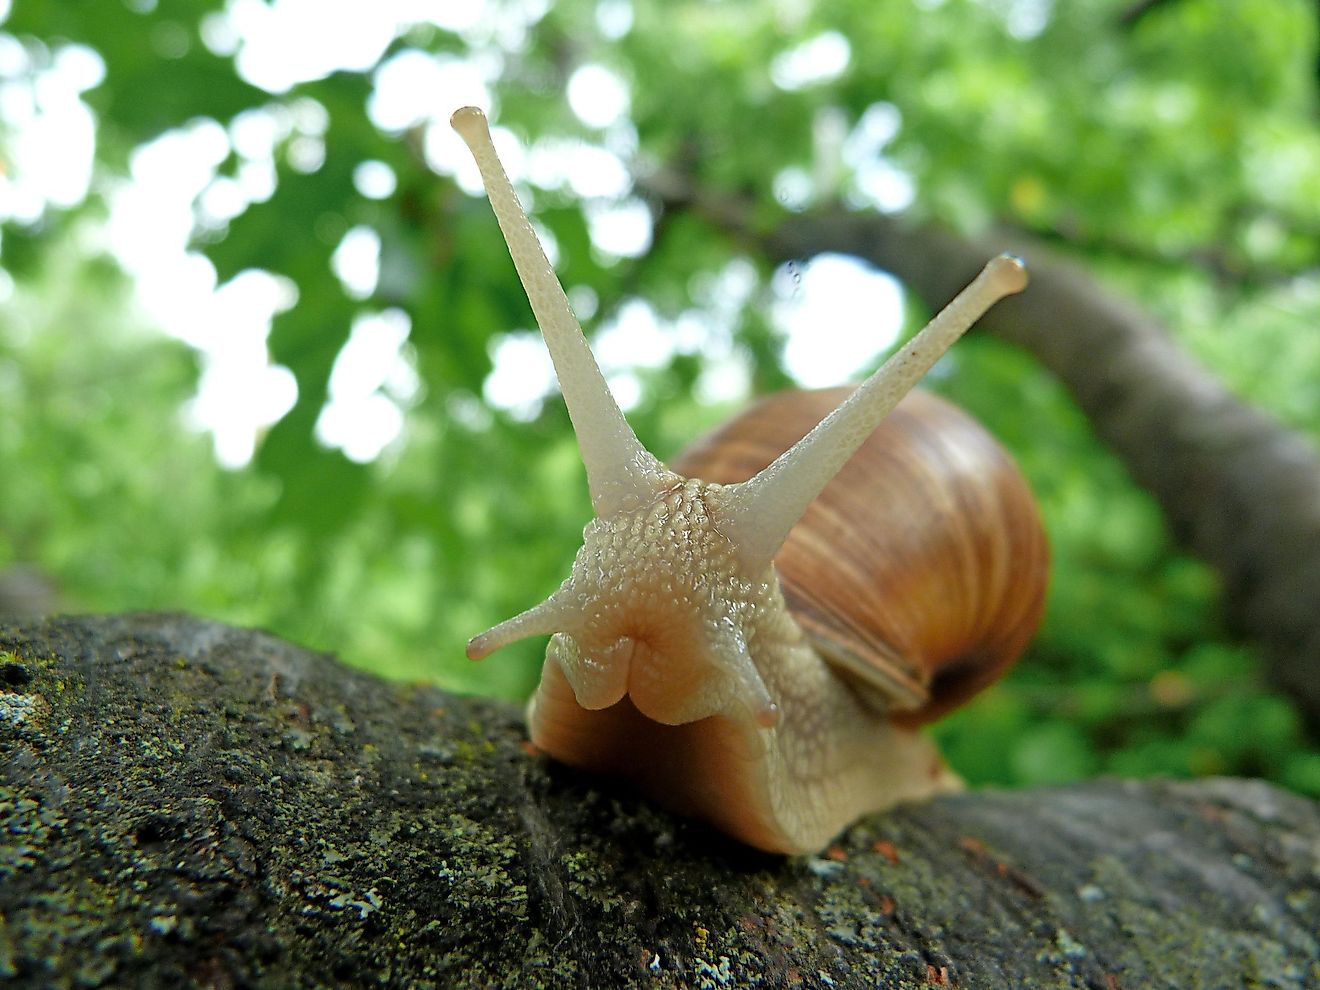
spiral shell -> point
(920, 571)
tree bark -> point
(186, 804)
(1239, 489)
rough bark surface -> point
(187, 804)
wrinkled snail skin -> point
(676, 660)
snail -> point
(754, 635)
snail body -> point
(740, 666)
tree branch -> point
(186, 804)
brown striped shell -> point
(920, 570)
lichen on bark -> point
(183, 803)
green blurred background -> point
(178, 177)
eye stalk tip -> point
(1009, 273)
(470, 122)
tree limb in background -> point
(1134, 13)
(1239, 489)
(187, 804)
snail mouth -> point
(667, 680)
(648, 680)
(628, 667)
(666, 685)
(671, 685)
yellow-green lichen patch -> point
(478, 869)
(23, 714)
(22, 666)
(89, 923)
(325, 892)
(727, 959)
(591, 878)
(27, 824)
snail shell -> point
(920, 571)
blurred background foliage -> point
(154, 457)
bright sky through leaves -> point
(830, 332)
